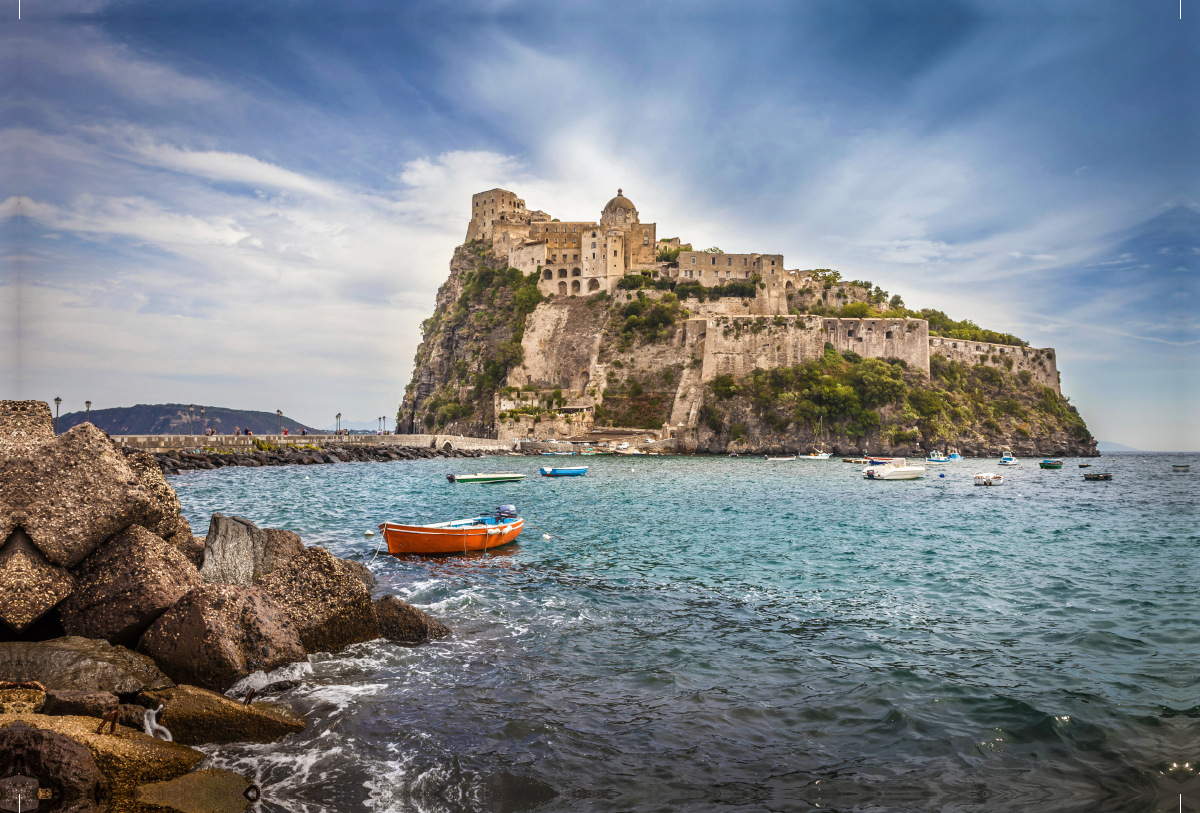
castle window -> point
(850, 332)
(888, 335)
(593, 244)
(593, 235)
(614, 252)
(562, 272)
(574, 256)
(745, 261)
(729, 260)
(714, 260)
(772, 263)
(693, 260)
(645, 241)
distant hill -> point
(1109, 446)
(172, 419)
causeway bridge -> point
(165, 443)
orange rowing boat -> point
(458, 536)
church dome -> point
(619, 202)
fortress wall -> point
(1041, 362)
(561, 343)
(780, 341)
(906, 339)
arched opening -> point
(789, 284)
(547, 274)
(574, 286)
(575, 272)
(593, 285)
(562, 287)
(447, 446)
(562, 272)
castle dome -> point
(620, 201)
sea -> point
(732, 634)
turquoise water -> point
(713, 633)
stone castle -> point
(729, 336)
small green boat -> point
(486, 477)
(1051, 464)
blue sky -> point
(255, 208)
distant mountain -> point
(172, 419)
(1108, 446)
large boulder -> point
(403, 623)
(206, 791)
(123, 587)
(172, 528)
(22, 701)
(69, 703)
(32, 586)
(196, 716)
(68, 493)
(126, 758)
(236, 551)
(80, 664)
(218, 633)
(34, 759)
(326, 600)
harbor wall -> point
(162, 443)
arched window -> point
(562, 288)
(593, 285)
(593, 235)
(562, 272)
(547, 274)
(575, 286)
(575, 272)
(593, 242)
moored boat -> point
(816, 456)
(457, 536)
(561, 471)
(937, 458)
(989, 479)
(896, 469)
(1007, 459)
(486, 477)
(1181, 467)
(855, 460)
(1085, 465)
(779, 459)
(954, 455)
(1051, 464)
(1097, 475)
(880, 461)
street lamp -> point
(88, 404)
(202, 423)
(192, 419)
(57, 401)
(339, 423)
(279, 412)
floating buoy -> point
(546, 537)
(306, 477)
(369, 533)
(943, 474)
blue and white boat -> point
(936, 457)
(570, 471)
(954, 455)
(1007, 459)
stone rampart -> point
(1040, 362)
(736, 345)
(906, 339)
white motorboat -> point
(895, 469)
(1007, 459)
(816, 456)
(780, 459)
(936, 458)
(989, 479)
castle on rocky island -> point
(571, 350)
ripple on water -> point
(709, 632)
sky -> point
(254, 207)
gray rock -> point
(219, 633)
(236, 551)
(66, 702)
(81, 664)
(403, 623)
(125, 585)
(326, 600)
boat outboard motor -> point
(506, 512)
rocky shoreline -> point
(173, 462)
(121, 633)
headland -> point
(551, 330)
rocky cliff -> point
(500, 360)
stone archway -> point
(547, 274)
(575, 272)
(562, 273)
(593, 285)
(789, 285)
(447, 447)
(562, 288)
(574, 286)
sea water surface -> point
(705, 633)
